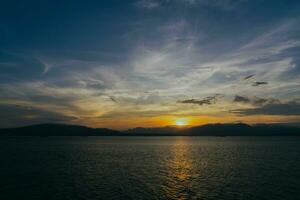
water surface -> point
(211, 168)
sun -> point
(180, 122)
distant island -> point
(232, 129)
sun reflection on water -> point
(179, 172)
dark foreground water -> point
(150, 168)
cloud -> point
(241, 99)
(147, 4)
(75, 101)
(294, 71)
(256, 101)
(133, 113)
(206, 101)
(259, 83)
(275, 108)
(223, 5)
(227, 5)
(14, 115)
(248, 77)
(113, 99)
(173, 49)
(262, 101)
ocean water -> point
(212, 168)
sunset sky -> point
(122, 64)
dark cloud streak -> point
(248, 77)
(206, 101)
(256, 101)
(241, 99)
(259, 83)
(288, 108)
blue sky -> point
(121, 64)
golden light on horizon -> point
(181, 122)
(124, 123)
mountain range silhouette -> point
(232, 129)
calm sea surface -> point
(150, 168)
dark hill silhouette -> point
(231, 129)
(236, 129)
(221, 129)
(239, 129)
(59, 130)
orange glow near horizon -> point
(180, 121)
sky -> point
(121, 64)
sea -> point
(208, 168)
